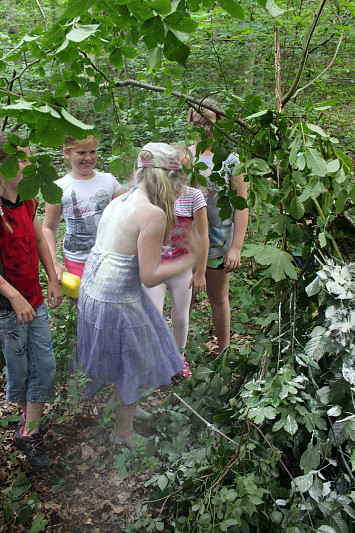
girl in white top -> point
(86, 193)
(190, 207)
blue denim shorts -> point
(29, 356)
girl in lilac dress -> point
(122, 338)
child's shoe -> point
(186, 372)
(33, 447)
(43, 428)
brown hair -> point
(201, 106)
(72, 143)
(163, 186)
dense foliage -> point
(283, 401)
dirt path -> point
(81, 491)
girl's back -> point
(122, 221)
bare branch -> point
(42, 15)
(325, 70)
(23, 70)
(188, 99)
(305, 48)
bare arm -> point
(54, 294)
(198, 280)
(49, 228)
(24, 311)
(232, 259)
(151, 270)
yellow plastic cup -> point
(70, 284)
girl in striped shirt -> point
(190, 207)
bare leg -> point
(33, 412)
(218, 293)
(124, 414)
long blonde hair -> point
(163, 187)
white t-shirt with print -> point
(83, 202)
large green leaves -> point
(280, 262)
(233, 8)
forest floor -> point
(81, 491)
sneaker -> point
(186, 372)
(43, 428)
(33, 447)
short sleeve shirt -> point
(83, 203)
(186, 205)
(220, 233)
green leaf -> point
(233, 8)
(9, 148)
(174, 49)
(346, 160)
(313, 189)
(273, 9)
(155, 57)
(101, 102)
(38, 524)
(333, 165)
(282, 267)
(51, 193)
(28, 187)
(290, 425)
(296, 208)
(301, 162)
(322, 240)
(178, 22)
(9, 167)
(259, 114)
(303, 483)
(352, 195)
(116, 58)
(259, 166)
(153, 31)
(79, 33)
(202, 372)
(315, 162)
(161, 6)
(75, 122)
(317, 129)
(162, 482)
(261, 413)
(128, 51)
(310, 459)
(12, 139)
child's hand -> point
(198, 282)
(59, 269)
(232, 260)
(54, 294)
(23, 309)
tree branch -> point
(22, 71)
(42, 15)
(188, 99)
(325, 70)
(305, 48)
